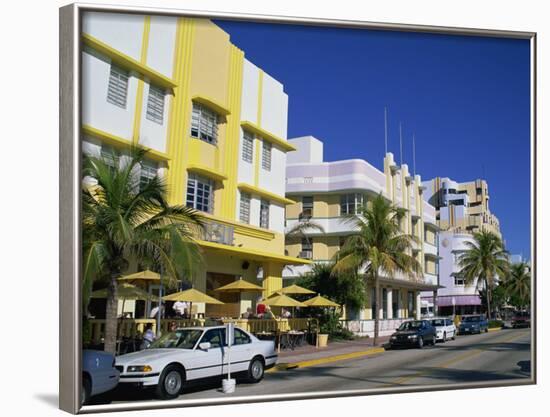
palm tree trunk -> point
(376, 308)
(488, 302)
(111, 323)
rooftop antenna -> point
(385, 130)
(400, 145)
(414, 157)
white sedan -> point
(195, 353)
(445, 329)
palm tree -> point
(518, 283)
(127, 220)
(302, 227)
(300, 230)
(379, 247)
(483, 262)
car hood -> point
(405, 333)
(150, 356)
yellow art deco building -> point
(216, 128)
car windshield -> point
(410, 325)
(438, 322)
(181, 339)
(472, 319)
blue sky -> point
(466, 99)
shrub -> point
(329, 323)
(493, 324)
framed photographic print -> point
(258, 208)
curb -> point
(495, 329)
(329, 359)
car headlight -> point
(140, 368)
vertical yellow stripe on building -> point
(178, 127)
(140, 86)
(259, 123)
(233, 133)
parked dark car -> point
(473, 323)
(413, 333)
(98, 373)
(521, 319)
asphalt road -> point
(491, 357)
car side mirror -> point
(205, 345)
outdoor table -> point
(265, 335)
(291, 339)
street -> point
(490, 357)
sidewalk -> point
(335, 351)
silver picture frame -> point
(70, 190)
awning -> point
(460, 300)
(402, 283)
(251, 254)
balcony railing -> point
(306, 254)
(218, 233)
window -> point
(350, 203)
(266, 156)
(456, 202)
(475, 204)
(155, 105)
(204, 124)
(241, 338)
(264, 214)
(307, 207)
(459, 280)
(307, 245)
(117, 89)
(214, 337)
(248, 146)
(244, 211)
(384, 303)
(147, 172)
(200, 193)
(110, 156)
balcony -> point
(218, 233)
(306, 254)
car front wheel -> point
(170, 383)
(420, 342)
(256, 370)
(86, 391)
(444, 337)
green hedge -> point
(494, 324)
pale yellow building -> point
(216, 128)
(462, 207)
(326, 192)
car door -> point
(207, 363)
(451, 327)
(424, 332)
(241, 352)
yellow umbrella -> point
(319, 301)
(282, 300)
(295, 289)
(240, 285)
(141, 276)
(127, 292)
(192, 296)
